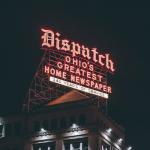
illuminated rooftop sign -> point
(78, 87)
(48, 40)
(77, 66)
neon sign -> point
(78, 87)
(79, 67)
(48, 40)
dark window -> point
(67, 146)
(72, 120)
(97, 120)
(15, 148)
(17, 128)
(85, 145)
(105, 146)
(76, 146)
(44, 148)
(52, 147)
(8, 129)
(45, 124)
(81, 119)
(6, 148)
(101, 123)
(114, 134)
(36, 126)
(63, 122)
(35, 148)
(1, 129)
(54, 123)
(105, 125)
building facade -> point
(71, 122)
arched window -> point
(114, 134)
(54, 123)
(45, 124)
(36, 126)
(101, 123)
(97, 120)
(72, 120)
(105, 125)
(81, 119)
(63, 122)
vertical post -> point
(49, 83)
(99, 142)
(106, 106)
(29, 101)
(93, 142)
(28, 146)
(42, 76)
(35, 87)
(81, 145)
(12, 130)
(48, 75)
(107, 93)
(48, 147)
(59, 144)
(3, 131)
(71, 146)
(39, 147)
(98, 102)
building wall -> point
(93, 131)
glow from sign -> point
(78, 87)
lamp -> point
(109, 130)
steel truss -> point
(42, 90)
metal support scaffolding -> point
(42, 90)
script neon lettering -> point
(76, 49)
(46, 38)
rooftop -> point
(68, 97)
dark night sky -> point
(115, 27)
